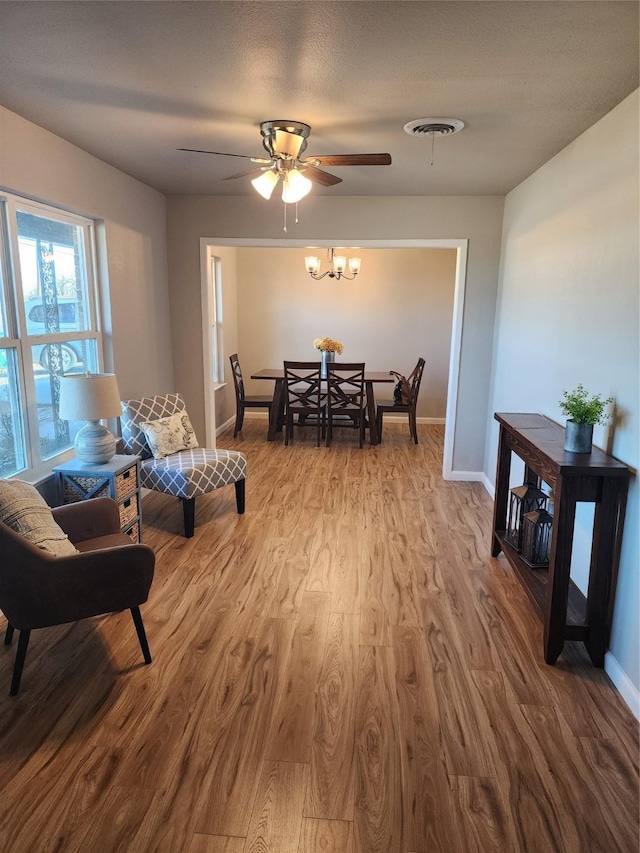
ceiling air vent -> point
(433, 126)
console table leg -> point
(605, 555)
(502, 491)
(555, 617)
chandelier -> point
(337, 264)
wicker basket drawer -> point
(134, 532)
(126, 482)
(128, 510)
(86, 484)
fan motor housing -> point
(275, 142)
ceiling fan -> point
(284, 142)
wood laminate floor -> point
(343, 669)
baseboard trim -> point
(486, 482)
(471, 476)
(623, 684)
(225, 425)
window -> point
(48, 328)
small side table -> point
(119, 478)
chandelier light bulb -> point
(312, 264)
(339, 263)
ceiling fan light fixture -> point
(266, 183)
(295, 186)
(354, 265)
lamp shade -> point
(266, 183)
(295, 186)
(89, 397)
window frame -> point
(17, 336)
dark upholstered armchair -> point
(110, 574)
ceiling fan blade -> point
(257, 171)
(352, 159)
(320, 177)
(226, 154)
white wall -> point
(567, 312)
(346, 221)
(38, 164)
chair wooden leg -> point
(240, 495)
(8, 634)
(21, 654)
(142, 637)
(288, 429)
(239, 420)
(189, 514)
(379, 427)
(413, 425)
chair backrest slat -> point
(345, 385)
(303, 384)
(416, 379)
(236, 372)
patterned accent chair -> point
(186, 474)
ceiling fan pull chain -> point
(296, 213)
(285, 217)
(433, 142)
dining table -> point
(276, 414)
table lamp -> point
(91, 397)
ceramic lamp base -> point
(94, 443)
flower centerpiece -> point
(328, 347)
(582, 413)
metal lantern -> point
(525, 498)
(536, 538)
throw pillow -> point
(170, 434)
(23, 509)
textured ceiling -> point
(130, 82)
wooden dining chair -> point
(346, 404)
(244, 401)
(390, 407)
(304, 397)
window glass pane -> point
(3, 307)
(49, 363)
(75, 357)
(53, 265)
(12, 449)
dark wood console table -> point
(593, 477)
